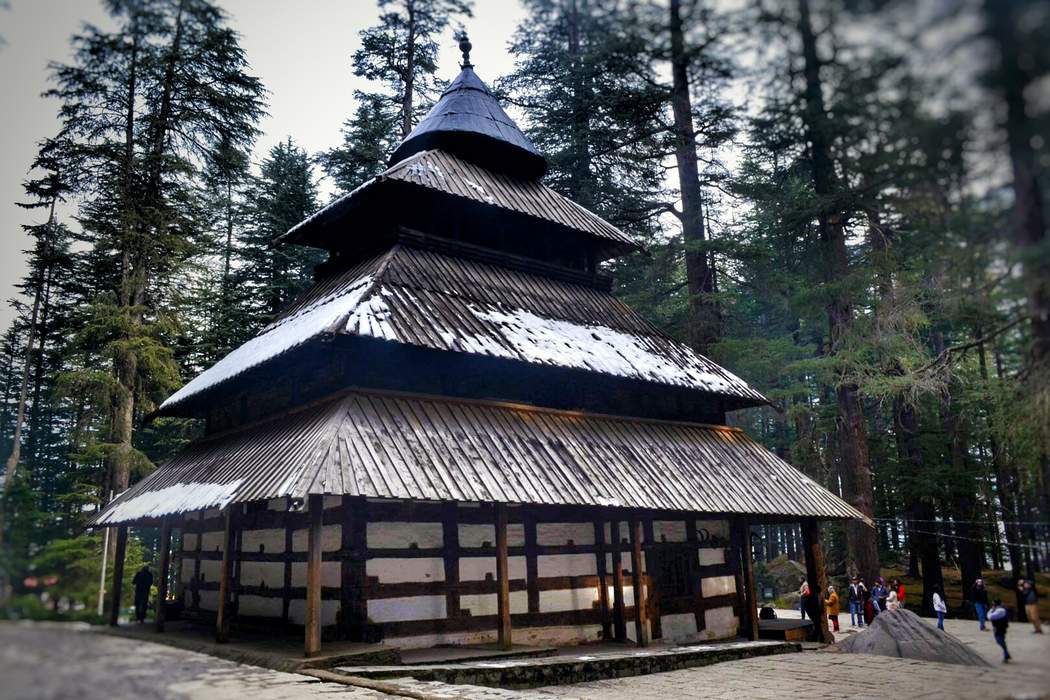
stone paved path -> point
(822, 674)
(63, 662)
(57, 662)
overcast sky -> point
(301, 50)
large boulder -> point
(904, 634)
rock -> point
(904, 634)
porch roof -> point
(436, 449)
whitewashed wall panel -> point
(406, 570)
(424, 607)
(405, 535)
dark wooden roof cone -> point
(461, 344)
(467, 121)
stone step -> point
(571, 668)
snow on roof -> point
(278, 338)
(177, 498)
(446, 303)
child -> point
(999, 616)
(939, 606)
(831, 604)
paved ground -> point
(823, 674)
(60, 662)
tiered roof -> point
(452, 303)
(434, 449)
(455, 292)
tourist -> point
(1031, 605)
(879, 594)
(857, 593)
(898, 588)
(939, 606)
(831, 604)
(892, 602)
(143, 582)
(803, 595)
(1000, 618)
(980, 602)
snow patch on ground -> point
(178, 498)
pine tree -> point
(399, 54)
(269, 276)
(182, 92)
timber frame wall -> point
(419, 574)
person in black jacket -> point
(1000, 618)
(143, 582)
(980, 601)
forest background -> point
(842, 201)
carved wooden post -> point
(165, 565)
(222, 614)
(118, 574)
(619, 614)
(816, 575)
(502, 578)
(315, 510)
(641, 614)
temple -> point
(459, 435)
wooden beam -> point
(502, 578)
(222, 614)
(696, 587)
(619, 616)
(450, 542)
(816, 574)
(641, 613)
(313, 575)
(165, 566)
(603, 577)
(745, 574)
(118, 574)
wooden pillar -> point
(222, 614)
(315, 511)
(118, 574)
(816, 574)
(619, 614)
(165, 565)
(502, 577)
(641, 614)
(603, 577)
(696, 587)
(746, 579)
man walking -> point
(1031, 605)
(1000, 618)
(143, 582)
(980, 601)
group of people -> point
(864, 605)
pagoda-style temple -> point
(459, 435)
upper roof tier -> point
(468, 122)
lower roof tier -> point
(386, 445)
(451, 303)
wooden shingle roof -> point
(449, 303)
(386, 445)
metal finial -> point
(465, 46)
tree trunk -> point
(410, 71)
(704, 315)
(852, 433)
(922, 538)
(1015, 76)
(582, 180)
